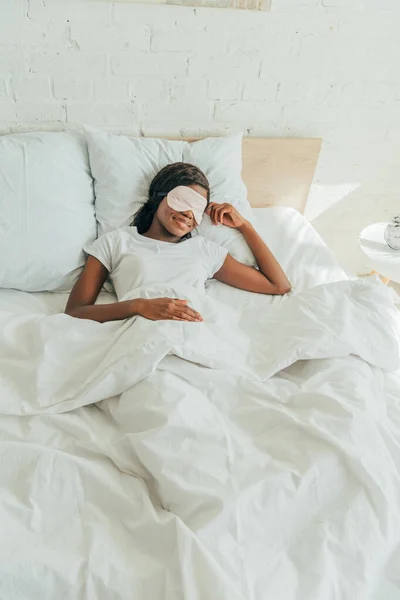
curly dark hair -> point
(167, 179)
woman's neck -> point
(157, 232)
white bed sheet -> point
(219, 489)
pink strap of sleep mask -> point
(184, 198)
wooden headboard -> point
(279, 172)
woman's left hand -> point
(225, 214)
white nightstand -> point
(382, 259)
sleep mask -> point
(184, 198)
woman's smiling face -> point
(178, 223)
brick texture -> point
(326, 68)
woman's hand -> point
(162, 309)
(225, 214)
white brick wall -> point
(327, 68)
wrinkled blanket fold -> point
(54, 364)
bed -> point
(200, 482)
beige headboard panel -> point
(279, 172)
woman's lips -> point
(183, 223)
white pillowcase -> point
(299, 249)
(297, 246)
(123, 167)
(231, 239)
(46, 210)
(220, 158)
(304, 256)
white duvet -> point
(255, 456)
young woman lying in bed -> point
(159, 250)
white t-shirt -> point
(135, 261)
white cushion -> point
(231, 239)
(305, 258)
(297, 246)
(123, 168)
(221, 160)
(46, 210)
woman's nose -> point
(188, 214)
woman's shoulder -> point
(204, 242)
(127, 231)
(210, 249)
(199, 239)
(114, 238)
(120, 232)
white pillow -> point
(123, 167)
(299, 249)
(231, 239)
(304, 256)
(46, 210)
(220, 159)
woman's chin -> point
(177, 230)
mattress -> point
(197, 484)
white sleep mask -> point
(184, 198)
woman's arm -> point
(81, 302)
(270, 279)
